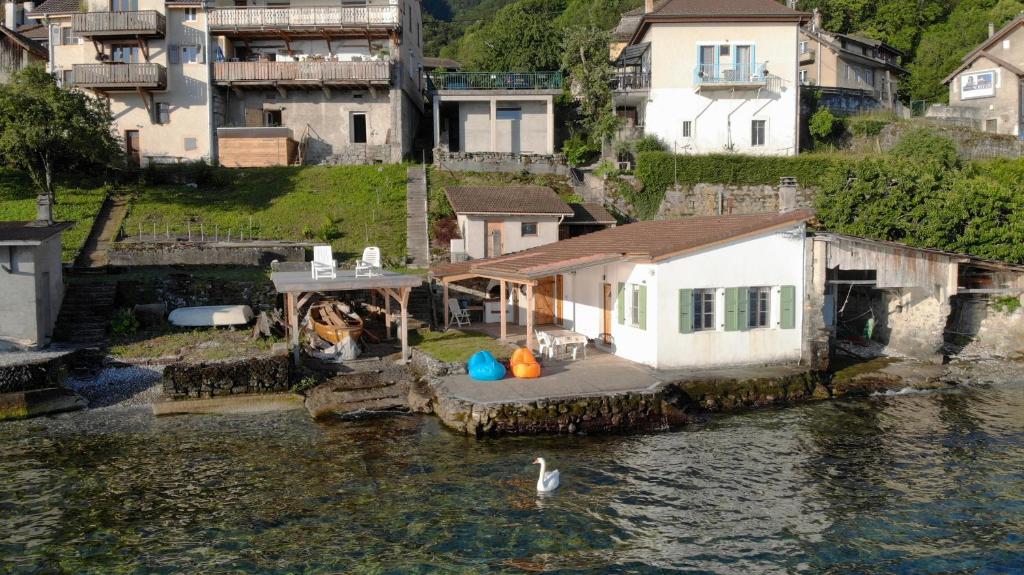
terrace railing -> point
(374, 72)
(116, 75)
(136, 23)
(623, 81)
(258, 18)
(731, 74)
(496, 80)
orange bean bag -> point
(524, 365)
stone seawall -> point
(35, 374)
(246, 376)
(172, 253)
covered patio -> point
(299, 288)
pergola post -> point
(529, 316)
(444, 304)
(405, 323)
(503, 307)
(387, 315)
(293, 324)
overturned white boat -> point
(211, 315)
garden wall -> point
(971, 144)
(491, 162)
(183, 289)
(247, 376)
(170, 253)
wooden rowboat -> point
(334, 325)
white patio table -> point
(567, 338)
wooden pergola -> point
(299, 288)
(503, 282)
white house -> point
(709, 76)
(31, 282)
(692, 293)
(495, 221)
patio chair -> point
(458, 315)
(369, 264)
(324, 265)
(544, 344)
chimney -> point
(991, 29)
(648, 6)
(44, 210)
(815, 20)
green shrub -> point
(124, 322)
(925, 146)
(825, 127)
(579, 151)
(1006, 304)
(605, 169)
(868, 125)
(649, 143)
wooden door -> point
(133, 147)
(545, 301)
(493, 246)
(606, 330)
(253, 117)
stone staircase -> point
(385, 389)
(419, 308)
(417, 240)
(85, 314)
(104, 231)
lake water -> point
(916, 483)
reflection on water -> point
(922, 483)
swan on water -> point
(548, 480)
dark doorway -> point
(358, 128)
(133, 147)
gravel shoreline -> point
(125, 386)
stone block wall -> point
(714, 199)
(33, 374)
(972, 144)
(134, 253)
(183, 289)
(912, 321)
(501, 162)
(247, 376)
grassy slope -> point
(78, 204)
(316, 203)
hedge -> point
(658, 172)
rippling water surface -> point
(918, 483)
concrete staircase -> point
(417, 240)
(85, 314)
(104, 231)
(419, 308)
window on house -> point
(190, 54)
(67, 37)
(703, 309)
(758, 306)
(509, 114)
(529, 228)
(190, 15)
(124, 5)
(191, 144)
(724, 50)
(358, 127)
(124, 53)
(162, 113)
(687, 129)
(803, 76)
(67, 78)
(272, 118)
(757, 132)
(803, 46)
(634, 305)
(991, 125)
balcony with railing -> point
(629, 81)
(117, 76)
(731, 76)
(303, 19)
(808, 56)
(498, 81)
(307, 72)
(119, 24)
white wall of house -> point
(473, 231)
(721, 119)
(772, 261)
(502, 123)
(33, 288)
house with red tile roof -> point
(697, 292)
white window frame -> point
(191, 15)
(687, 129)
(536, 229)
(803, 76)
(157, 106)
(752, 311)
(634, 305)
(190, 53)
(764, 133)
(700, 292)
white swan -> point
(548, 481)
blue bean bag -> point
(484, 367)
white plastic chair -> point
(459, 316)
(544, 344)
(369, 265)
(324, 265)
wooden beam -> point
(143, 46)
(280, 90)
(444, 304)
(293, 325)
(387, 315)
(504, 311)
(405, 323)
(529, 317)
(146, 101)
(326, 89)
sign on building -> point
(978, 84)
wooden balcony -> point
(310, 72)
(305, 20)
(118, 76)
(143, 23)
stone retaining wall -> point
(502, 162)
(33, 375)
(205, 380)
(183, 289)
(133, 253)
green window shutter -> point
(642, 320)
(743, 308)
(731, 309)
(685, 309)
(787, 307)
(622, 303)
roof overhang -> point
(797, 18)
(990, 57)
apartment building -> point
(708, 76)
(342, 82)
(851, 73)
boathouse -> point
(691, 293)
(31, 282)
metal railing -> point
(307, 70)
(496, 80)
(116, 75)
(140, 22)
(303, 17)
(719, 74)
(622, 81)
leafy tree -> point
(47, 129)
(522, 37)
(926, 147)
(585, 59)
(824, 127)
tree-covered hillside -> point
(527, 34)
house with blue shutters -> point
(699, 292)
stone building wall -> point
(501, 162)
(714, 199)
(247, 376)
(174, 253)
(912, 321)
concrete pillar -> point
(437, 123)
(494, 125)
(405, 323)
(551, 124)
(816, 336)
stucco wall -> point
(31, 299)
(721, 118)
(473, 230)
(1004, 106)
(475, 126)
(529, 135)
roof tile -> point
(506, 200)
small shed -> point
(31, 282)
(256, 147)
(586, 218)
